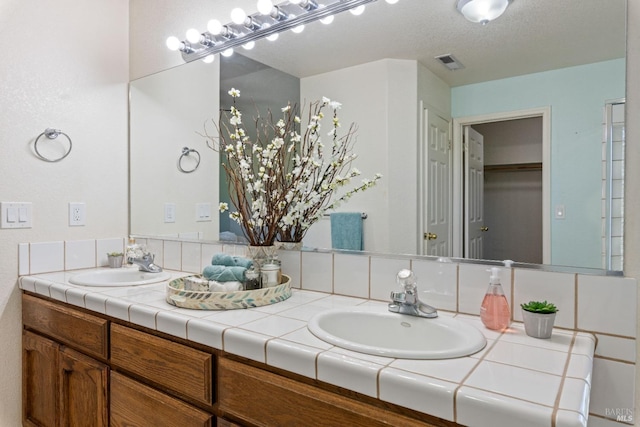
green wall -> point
(577, 96)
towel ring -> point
(186, 151)
(52, 134)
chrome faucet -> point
(407, 302)
(145, 262)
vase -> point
(261, 254)
(538, 325)
(290, 246)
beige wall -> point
(65, 65)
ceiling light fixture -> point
(287, 15)
(482, 11)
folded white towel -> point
(224, 286)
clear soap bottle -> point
(494, 311)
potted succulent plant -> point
(538, 317)
(115, 259)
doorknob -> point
(430, 236)
(484, 228)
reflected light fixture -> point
(482, 11)
(270, 19)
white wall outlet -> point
(560, 212)
(15, 215)
(169, 212)
(203, 212)
(77, 214)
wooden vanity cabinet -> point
(81, 369)
(136, 404)
(61, 385)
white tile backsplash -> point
(46, 257)
(383, 276)
(172, 255)
(607, 304)
(79, 254)
(437, 283)
(317, 268)
(105, 246)
(191, 257)
(557, 288)
(351, 275)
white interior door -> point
(474, 193)
(437, 221)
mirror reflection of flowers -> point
(283, 182)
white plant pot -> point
(538, 325)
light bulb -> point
(265, 6)
(214, 27)
(357, 10)
(298, 29)
(173, 43)
(392, 1)
(273, 37)
(193, 35)
(238, 16)
(208, 59)
(329, 19)
(227, 53)
(249, 45)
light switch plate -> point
(169, 212)
(203, 212)
(16, 215)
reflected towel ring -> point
(186, 151)
(52, 134)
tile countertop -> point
(514, 380)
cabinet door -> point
(135, 404)
(39, 380)
(83, 390)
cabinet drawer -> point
(78, 330)
(134, 404)
(263, 398)
(181, 369)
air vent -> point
(450, 62)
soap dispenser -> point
(494, 311)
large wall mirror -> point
(542, 86)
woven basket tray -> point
(204, 300)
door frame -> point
(458, 171)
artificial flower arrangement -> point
(283, 182)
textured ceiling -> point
(531, 36)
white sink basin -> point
(118, 277)
(397, 335)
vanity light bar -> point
(283, 17)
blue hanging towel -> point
(346, 231)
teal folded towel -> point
(346, 231)
(220, 273)
(231, 261)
